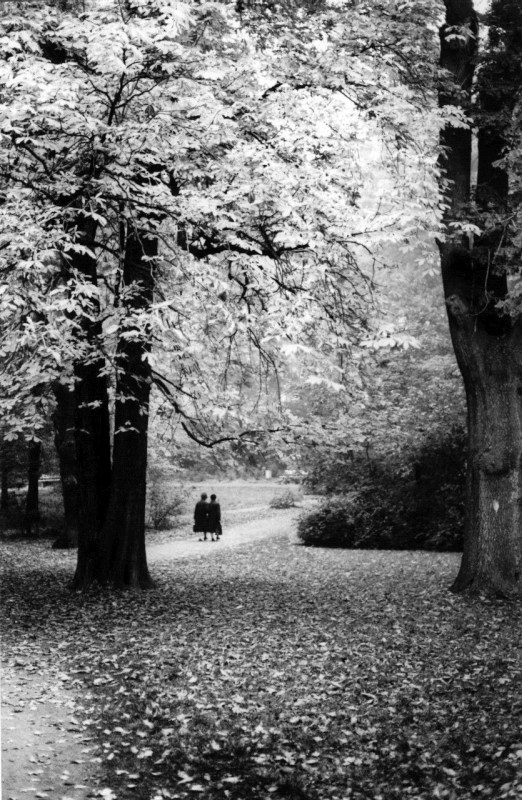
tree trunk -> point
(32, 509)
(492, 370)
(93, 466)
(123, 557)
(92, 428)
(487, 343)
(4, 489)
(64, 440)
(111, 519)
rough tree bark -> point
(64, 440)
(92, 429)
(487, 342)
(111, 496)
(123, 558)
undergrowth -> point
(409, 499)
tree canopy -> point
(241, 150)
(196, 198)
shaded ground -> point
(46, 751)
(277, 671)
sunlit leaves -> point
(253, 149)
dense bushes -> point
(287, 499)
(332, 525)
(408, 501)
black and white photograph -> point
(261, 399)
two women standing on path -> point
(207, 518)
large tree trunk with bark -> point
(93, 466)
(64, 440)
(492, 368)
(92, 428)
(487, 342)
(111, 496)
(123, 557)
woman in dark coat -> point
(201, 517)
(214, 517)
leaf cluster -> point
(244, 161)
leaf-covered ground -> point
(275, 671)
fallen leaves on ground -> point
(279, 671)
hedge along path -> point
(46, 752)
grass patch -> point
(232, 495)
(277, 671)
(241, 500)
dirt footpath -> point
(45, 754)
(233, 536)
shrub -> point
(50, 505)
(287, 499)
(334, 474)
(331, 525)
(410, 501)
(164, 505)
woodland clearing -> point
(265, 670)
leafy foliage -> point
(164, 505)
(287, 499)
(149, 115)
(332, 525)
(236, 138)
(412, 500)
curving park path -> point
(235, 535)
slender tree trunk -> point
(64, 439)
(4, 489)
(32, 508)
(123, 556)
(7, 464)
(92, 429)
(487, 343)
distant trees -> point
(64, 439)
(21, 465)
(6, 465)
